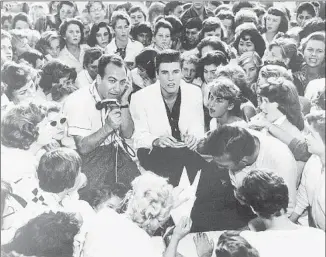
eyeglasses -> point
(54, 122)
(96, 9)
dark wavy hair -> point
(143, 27)
(19, 125)
(48, 235)
(95, 28)
(216, 44)
(284, 24)
(255, 38)
(45, 41)
(52, 72)
(286, 95)
(21, 17)
(63, 29)
(146, 59)
(265, 192)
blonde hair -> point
(150, 202)
(250, 56)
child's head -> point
(59, 171)
(106, 197)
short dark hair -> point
(143, 27)
(308, 7)
(70, 3)
(313, 25)
(235, 142)
(265, 192)
(231, 244)
(146, 59)
(216, 57)
(119, 15)
(49, 235)
(170, 6)
(194, 23)
(58, 170)
(52, 72)
(211, 24)
(107, 59)
(226, 14)
(223, 7)
(137, 8)
(19, 125)
(91, 54)
(31, 57)
(216, 44)
(162, 24)
(95, 28)
(237, 6)
(176, 24)
(63, 29)
(20, 17)
(166, 56)
(255, 38)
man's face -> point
(169, 75)
(192, 36)
(6, 50)
(92, 69)
(122, 30)
(225, 161)
(198, 4)
(113, 82)
(144, 38)
(97, 12)
(66, 11)
(137, 17)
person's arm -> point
(127, 124)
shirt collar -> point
(94, 92)
(280, 120)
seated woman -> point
(311, 192)
(249, 39)
(313, 49)
(55, 72)
(148, 208)
(19, 82)
(49, 45)
(144, 74)
(72, 50)
(58, 228)
(267, 195)
(224, 104)
(239, 78)
(162, 35)
(100, 36)
(251, 63)
(87, 76)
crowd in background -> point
(107, 107)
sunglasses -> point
(54, 123)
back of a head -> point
(237, 6)
(47, 235)
(231, 244)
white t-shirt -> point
(273, 155)
(113, 234)
(301, 242)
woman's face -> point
(217, 106)
(227, 24)
(137, 17)
(142, 72)
(54, 48)
(66, 11)
(314, 53)
(188, 71)
(92, 69)
(6, 25)
(245, 45)
(252, 72)
(162, 38)
(102, 37)
(268, 109)
(209, 73)
(21, 25)
(303, 17)
(122, 30)
(58, 124)
(272, 23)
(314, 141)
(6, 50)
(25, 92)
(73, 34)
(144, 38)
(97, 12)
(216, 33)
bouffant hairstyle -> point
(21, 17)
(119, 15)
(150, 202)
(162, 24)
(237, 6)
(138, 8)
(245, 15)
(45, 41)
(52, 72)
(317, 120)
(265, 192)
(95, 28)
(284, 24)
(308, 7)
(250, 57)
(58, 170)
(31, 57)
(19, 125)
(313, 25)
(284, 93)
(255, 38)
(143, 27)
(91, 54)
(319, 35)
(63, 29)
(216, 44)
(211, 24)
(226, 14)
(15, 76)
(166, 56)
(276, 71)
(49, 235)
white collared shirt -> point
(83, 79)
(67, 58)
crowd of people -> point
(107, 107)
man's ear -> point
(231, 106)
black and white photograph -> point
(163, 128)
